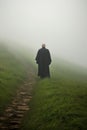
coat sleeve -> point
(37, 57)
(49, 58)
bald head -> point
(43, 45)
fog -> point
(60, 24)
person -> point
(43, 59)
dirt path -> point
(14, 113)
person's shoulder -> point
(47, 49)
(43, 49)
(40, 50)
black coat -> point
(43, 60)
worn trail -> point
(13, 114)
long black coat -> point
(43, 59)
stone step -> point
(26, 99)
(23, 108)
(19, 112)
(9, 109)
(22, 93)
(2, 118)
(20, 115)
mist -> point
(60, 24)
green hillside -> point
(13, 70)
(59, 103)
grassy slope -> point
(12, 73)
(59, 103)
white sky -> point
(61, 24)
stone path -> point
(14, 113)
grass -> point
(59, 103)
(13, 71)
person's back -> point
(43, 60)
(44, 56)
